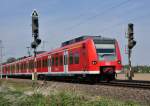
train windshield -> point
(106, 51)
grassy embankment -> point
(22, 94)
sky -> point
(61, 20)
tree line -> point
(138, 68)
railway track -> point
(127, 83)
(118, 83)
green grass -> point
(67, 99)
(14, 96)
(61, 99)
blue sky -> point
(62, 20)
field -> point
(137, 76)
(23, 93)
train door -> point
(65, 61)
(49, 64)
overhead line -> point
(120, 23)
(102, 13)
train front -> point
(108, 57)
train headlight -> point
(94, 62)
(119, 62)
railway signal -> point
(35, 23)
(35, 35)
(131, 44)
(131, 41)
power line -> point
(120, 23)
(101, 13)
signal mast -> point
(131, 44)
(36, 42)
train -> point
(89, 57)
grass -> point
(14, 96)
(64, 99)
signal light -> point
(35, 24)
(34, 45)
(131, 44)
(38, 41)
(131, 41)
(35, 30)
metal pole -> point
(131, 44)
(35, 71)
(130, 66)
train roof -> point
(96, 39)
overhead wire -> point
(99, 14)
(120, 23)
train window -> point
(56, 61)
(61, 60)
(70, 58)
(13, 67)
(76, 58)
(40, 65)
(21, 66)
(6, 68)
(43, 63)
(37, 64)
(18, 67)
(65, 59)
(53, 61)
(31, 64)
(25, 66)
(46, 62)
(3, 68)
(10, 67)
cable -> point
(102, 13)
(120, 23)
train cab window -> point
(76, 58)
(56, 61)
(70, 58)
(61, 60)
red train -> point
(87, 56)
